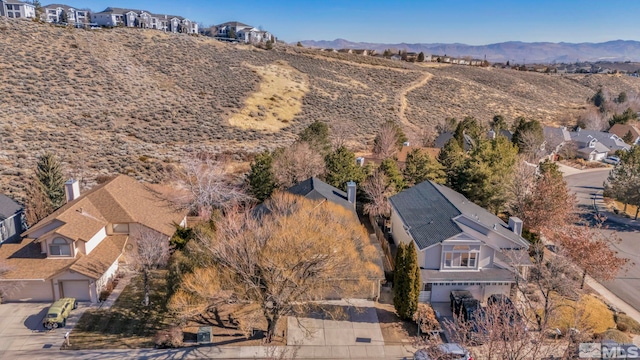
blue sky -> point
(474, 22)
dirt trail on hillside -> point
(415, 129)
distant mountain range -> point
(514, 51)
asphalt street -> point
(588, 187)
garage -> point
(78, 289)
(440, 291)
(33, 291)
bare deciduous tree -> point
(551, 277)
(203, 186)
(297, 163)
(593, 119)
(385, 144)
(298, 252)
(592, 251)
(524, 177)
(150, 251)
(499, 331)
(378, 189)
(531, 145)
(37, 204)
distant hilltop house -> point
(239, 32)
(111, 17)
(60, 13)
(15, 9)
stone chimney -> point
(71, 190)
(515, 224)
(351, 193)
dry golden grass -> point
(102, 99)
(588, 314)
(277, 101)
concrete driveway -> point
(355, 331)
(21, 328)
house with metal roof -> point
(460, 245)
(76, 250)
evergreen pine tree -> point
(260, 178)
(628, 137)
(452, 158)
(394, 178)
(420, 167)
(421, 57)
(341, 168)
(50, 179)
(317, 135)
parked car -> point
(59, 312)
(457, 297)
(507, 307)
(613, 160)
(447, 351)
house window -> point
(17, 15)
(461, 256)
(10, 14)
(60, 247)
(427, 287)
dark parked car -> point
(457, 297)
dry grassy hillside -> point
(134, 101)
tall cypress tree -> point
(260, 178)
(406, 281)
(413, 279)
(50, 179)
(394, 178)
(341, 168)
(400, 282)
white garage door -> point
(33, 291)
(78, 289)
(440, 293)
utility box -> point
(204, 334)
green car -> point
(58, 313)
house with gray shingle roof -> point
(460, 245)
(12, 221)
(596, 145)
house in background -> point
(15, 9)
(76, 250)
(622, 130)
(112, 16)
(12, 220)
(555, 138)
(596, 145)
(53, 13)
(460, 245)
(243, 32)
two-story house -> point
(55, 13)
(16, 9)
(76, 250)
(242, 32)
(112, 16)
(460, 245)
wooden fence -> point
(384, 244)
